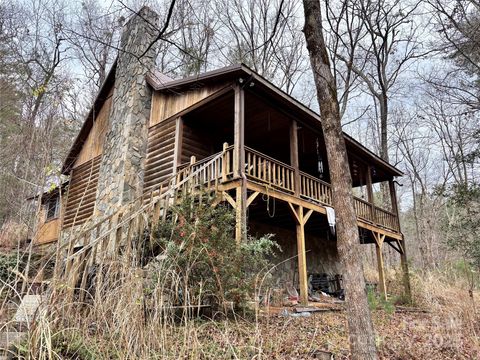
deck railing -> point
(315, 189)
(269, 171)
(280, 176)
(386, 219)
(363, 209)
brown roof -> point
(241, 70)
(89, 120)
(161, 82)
(157, 79)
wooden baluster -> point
(274, 170)
(291, 186)
(264, 174)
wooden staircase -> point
(122, 233)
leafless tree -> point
(94, 33)
(361, 333)
(265, 35)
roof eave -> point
(88, 122)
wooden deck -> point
(266, 175)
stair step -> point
(28, 308)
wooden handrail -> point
(126, 218)
(315, 189)
(315, 178)
(267, 170)
(258, 166)
(269, 158)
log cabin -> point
(230, 131)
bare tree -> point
(381, 44)
(265, 35)
(94, 34)
(361, 333)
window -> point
(52, 208)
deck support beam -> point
(379, 241)
(301, 219)
(239, 165)
(401, 243)
(294, 156)
(240, 213)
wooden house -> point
(237, 135)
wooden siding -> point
(165, 105)
(47, 232)
(93, 145)
(81, 193)
(194, 143)
(160, 154)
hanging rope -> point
(266, 197)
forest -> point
(403, 78)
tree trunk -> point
(383, 127)
(361, 333)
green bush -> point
(8, 262)
(197, 254)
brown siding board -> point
(160, 151)
(81, 195)
(93, 145)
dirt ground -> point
(400, 335)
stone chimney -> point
(121, 171)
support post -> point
(240, 213)
(239, 135)
(225, 162)
(239, 164)
(177, 152)
(294, 156)
(379, 239)
(403, 254)
(370, 198)
(301, 220)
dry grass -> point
(123, 322)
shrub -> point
(8, 262)
(197, 251)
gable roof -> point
(155, 77)
(90, 119)
(243, 71)
(160, 82)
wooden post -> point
(301, 219)
(302, 258)
(177, 152)
(393, 201)
(370, 198)
(239, 164)
(239, 134)
(379, 239)
(224, 162)
(294, 156)
(403, 254)
(240, 213)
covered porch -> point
(264, 148)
